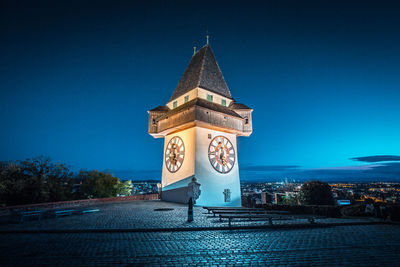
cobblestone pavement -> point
(142, 215)
(357, 245)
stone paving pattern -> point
(141, 214)
(358, 245)
(348, 245)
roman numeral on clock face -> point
(221, 154)
(174, 154)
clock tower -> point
(200, 124)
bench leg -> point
(311, 220)
(220, 219)
(229, 222)
(270, 221)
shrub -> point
(316, 193)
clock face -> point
(221, 154)
(174, 154)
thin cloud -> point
(268, 168)
(390, 168)
(382, 171)
(388, 171)
(377, 158)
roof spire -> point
(203, 71)
(208, 37)
(194, 50)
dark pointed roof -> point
(203, 71)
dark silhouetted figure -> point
(377, 211)
(190, 210)
(384, 212)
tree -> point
(12, 183)
(47, 181)
(39, 180)
(290, 200)
(97, 184)
(33, 181)
(316, 193)
(125, 188)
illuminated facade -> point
(200, 124)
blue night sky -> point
(323, 78)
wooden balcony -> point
(198, 114)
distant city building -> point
(278, 198)
(266, 198)
(343, 202)
(144, 187)
(344, 193)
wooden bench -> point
(230, 217)
(58, 213)
(80, 212)
(21, 214)
(237, 211)
(249, 212)
(210, 209)
(228, 208)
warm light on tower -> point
(200, 124)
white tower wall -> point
(196, 163)
(187, 169)
(212, 182)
